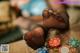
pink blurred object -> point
(22, 23)
(18, 2)
(13, 2)
(22, 2)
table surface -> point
(20, 47)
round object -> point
(42, 50)
(54, 42)
(64, 49)
(74, 42)
(35, 38)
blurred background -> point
(17, 17)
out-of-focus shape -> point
(37, 7)
(22, 2)
(7, 17)
(25, 13)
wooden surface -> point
(20, 47)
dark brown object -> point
(56, 20)
(35, 38)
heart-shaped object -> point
(35, 38)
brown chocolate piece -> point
(56, 20)
(35, 38)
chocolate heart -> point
(35, 38)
